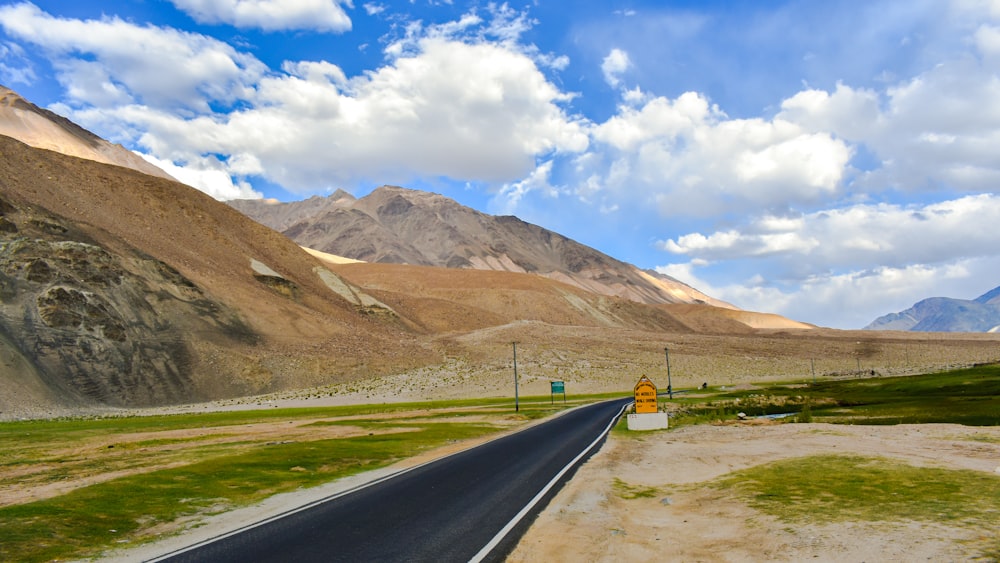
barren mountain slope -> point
(44, 129)
(397, 225)
(279, 216)
(718, 320)
(448, 301)
(125, 289)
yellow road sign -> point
(645, 396)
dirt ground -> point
(589, 521)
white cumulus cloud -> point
(861, 235)
(207, 175)
(938, 127)
(616, 63)
(689, 158)
(111, 61)
(270, 15)
(448, 105)
(835, 266)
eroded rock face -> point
(107, 328)
(72, 309)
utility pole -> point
(670, 386)
(516, 402)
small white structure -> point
(648, 421)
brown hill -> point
(401, 226)
(41, 128)
(441, 301)
(126, 289)
(122, 289)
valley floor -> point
(686, 519)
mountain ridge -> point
(44, 129)
(397, 225)
(946, 314)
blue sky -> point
(827, 161)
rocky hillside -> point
(400, 226)
(120, 288)
(945, 314)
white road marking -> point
(477, 558)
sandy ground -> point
(589, 521)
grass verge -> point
(830, 488)
(838, 488)
(216, 464)
(969, 396)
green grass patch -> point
(159, 442)
(828, 488)
(987, 439)
(968, 396)
(831, 488)
(726, 407)
(629, 492)
(87, 520)
(620, 429)
(26, 441)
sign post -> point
(557, 387)
(670, 386)
(517, 404)
(647, 415)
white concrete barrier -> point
(648, 421)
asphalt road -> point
(448, 510)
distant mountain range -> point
(945, 314)
(400, 226)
